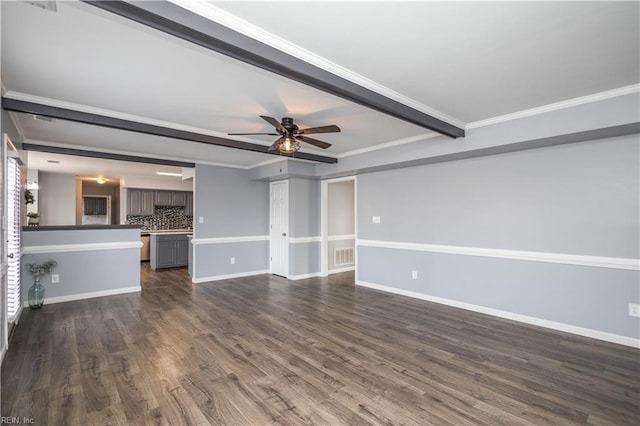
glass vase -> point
(36, 294)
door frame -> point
(272, 240)
(324, 223)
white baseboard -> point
(81, 296)
(229, 276)
(567, 328)
(303, 276)
(339, 270)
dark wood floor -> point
(264, 350)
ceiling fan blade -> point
(314, 142)
(238, 134)
(274, 123)
(322, 129)
(273, 147)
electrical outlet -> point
(634, 310)
(233, 260)
(414, 275)
(376, 219)
(55, 278)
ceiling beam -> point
(149, 129)
(105, 155)
(179, 22)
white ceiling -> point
(89, 168)
(462, 61)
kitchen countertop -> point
(166, 231)
(76, 227)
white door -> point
(279, 228)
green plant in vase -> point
(34, 218)
(36, 291)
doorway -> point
(279, 228)
(338, 225)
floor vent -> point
(343, 256)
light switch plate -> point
(376, 219)
(200, 219)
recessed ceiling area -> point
(94, 168)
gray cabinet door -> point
(188, 208)
(146, 202)
(182, 252)
(166, 255)
(134, 201)
(163, 198)
(178, 198)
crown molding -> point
(608, 94)
(398, 142)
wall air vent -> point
(343, 256)
(44, 4)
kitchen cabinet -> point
(179, 198)
(170, 198)
(188, 208)
(140, 202)
(169, 250)
(182, 251)
(163, 198)
(94, 206)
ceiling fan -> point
(290, 134)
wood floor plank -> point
(264, 350)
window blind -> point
(13, 238)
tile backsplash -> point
(164, 217)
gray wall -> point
(232, 206)
(304, 258)
(83, 271)
(580, 199)
(304, 221)
(230, 203)
(304, 208)
(57, 199)
(341, 208)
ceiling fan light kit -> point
(287, 145)
(291, 134)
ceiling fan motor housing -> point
(287, 123)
